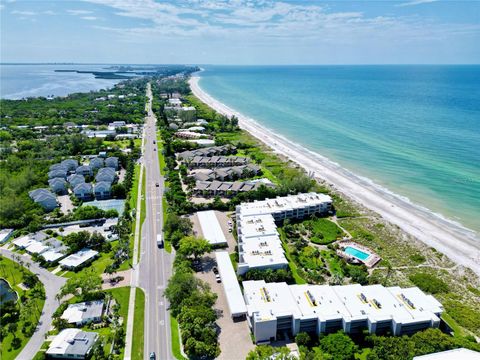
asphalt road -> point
(155, 263)
(52, 284)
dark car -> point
(215, 270)
(157, 184)
(152, 356)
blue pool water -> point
(356, 253)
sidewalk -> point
(134, 271)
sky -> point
(246, 32)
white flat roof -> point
(23, 241)
(269, 300)
(460, 354)
(349, 302)
(78, 258)
(318, 301)
(211, 228)
(260, 225)
(52, 255)
(36, 247)
(263, 251)
(236, 303)
(270, 206)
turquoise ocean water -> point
(412, 129)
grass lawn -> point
(138, 325)
(143, 212)
(161, 158)
(324, 231)
(133, 205)
(40, 355)
(10, 271)
(176, 339)
(121, 296)
(168, 244)
(233, 260)
(98, 266)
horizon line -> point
(210, 64)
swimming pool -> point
(360, 255)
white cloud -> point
(267, 21)
(23, 13)
(49, 12)
(90, 18)
(415, 2)
(79, 12)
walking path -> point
(134, 272)
(52, 284)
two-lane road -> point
(155, 264)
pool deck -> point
(369, 262)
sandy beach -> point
(458, 243)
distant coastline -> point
(459, 243)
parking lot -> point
(234, 338)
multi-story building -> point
(259, 245)
(274, 308)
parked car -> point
(215, 270)
(217, 277)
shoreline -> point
(460, 244)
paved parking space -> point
(235, 341)
(66, 205)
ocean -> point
(414, 130)
(22, 80)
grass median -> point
(176, 346)
(138, 325)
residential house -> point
(83, 191)
(84, 170)
(103, 190)
(70, 164)
(45, 198)
(58, 166)
(72, 344)
(58, 185)
(75, 179)
(106, 174)
(117, 124)
(80, 258)
(112, 162)
(58, 173)
(97, 163)
(84, 313)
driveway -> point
(52, 284)
(234, 338)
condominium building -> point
(259, 245)
(280, 308)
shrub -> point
(429, 283)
